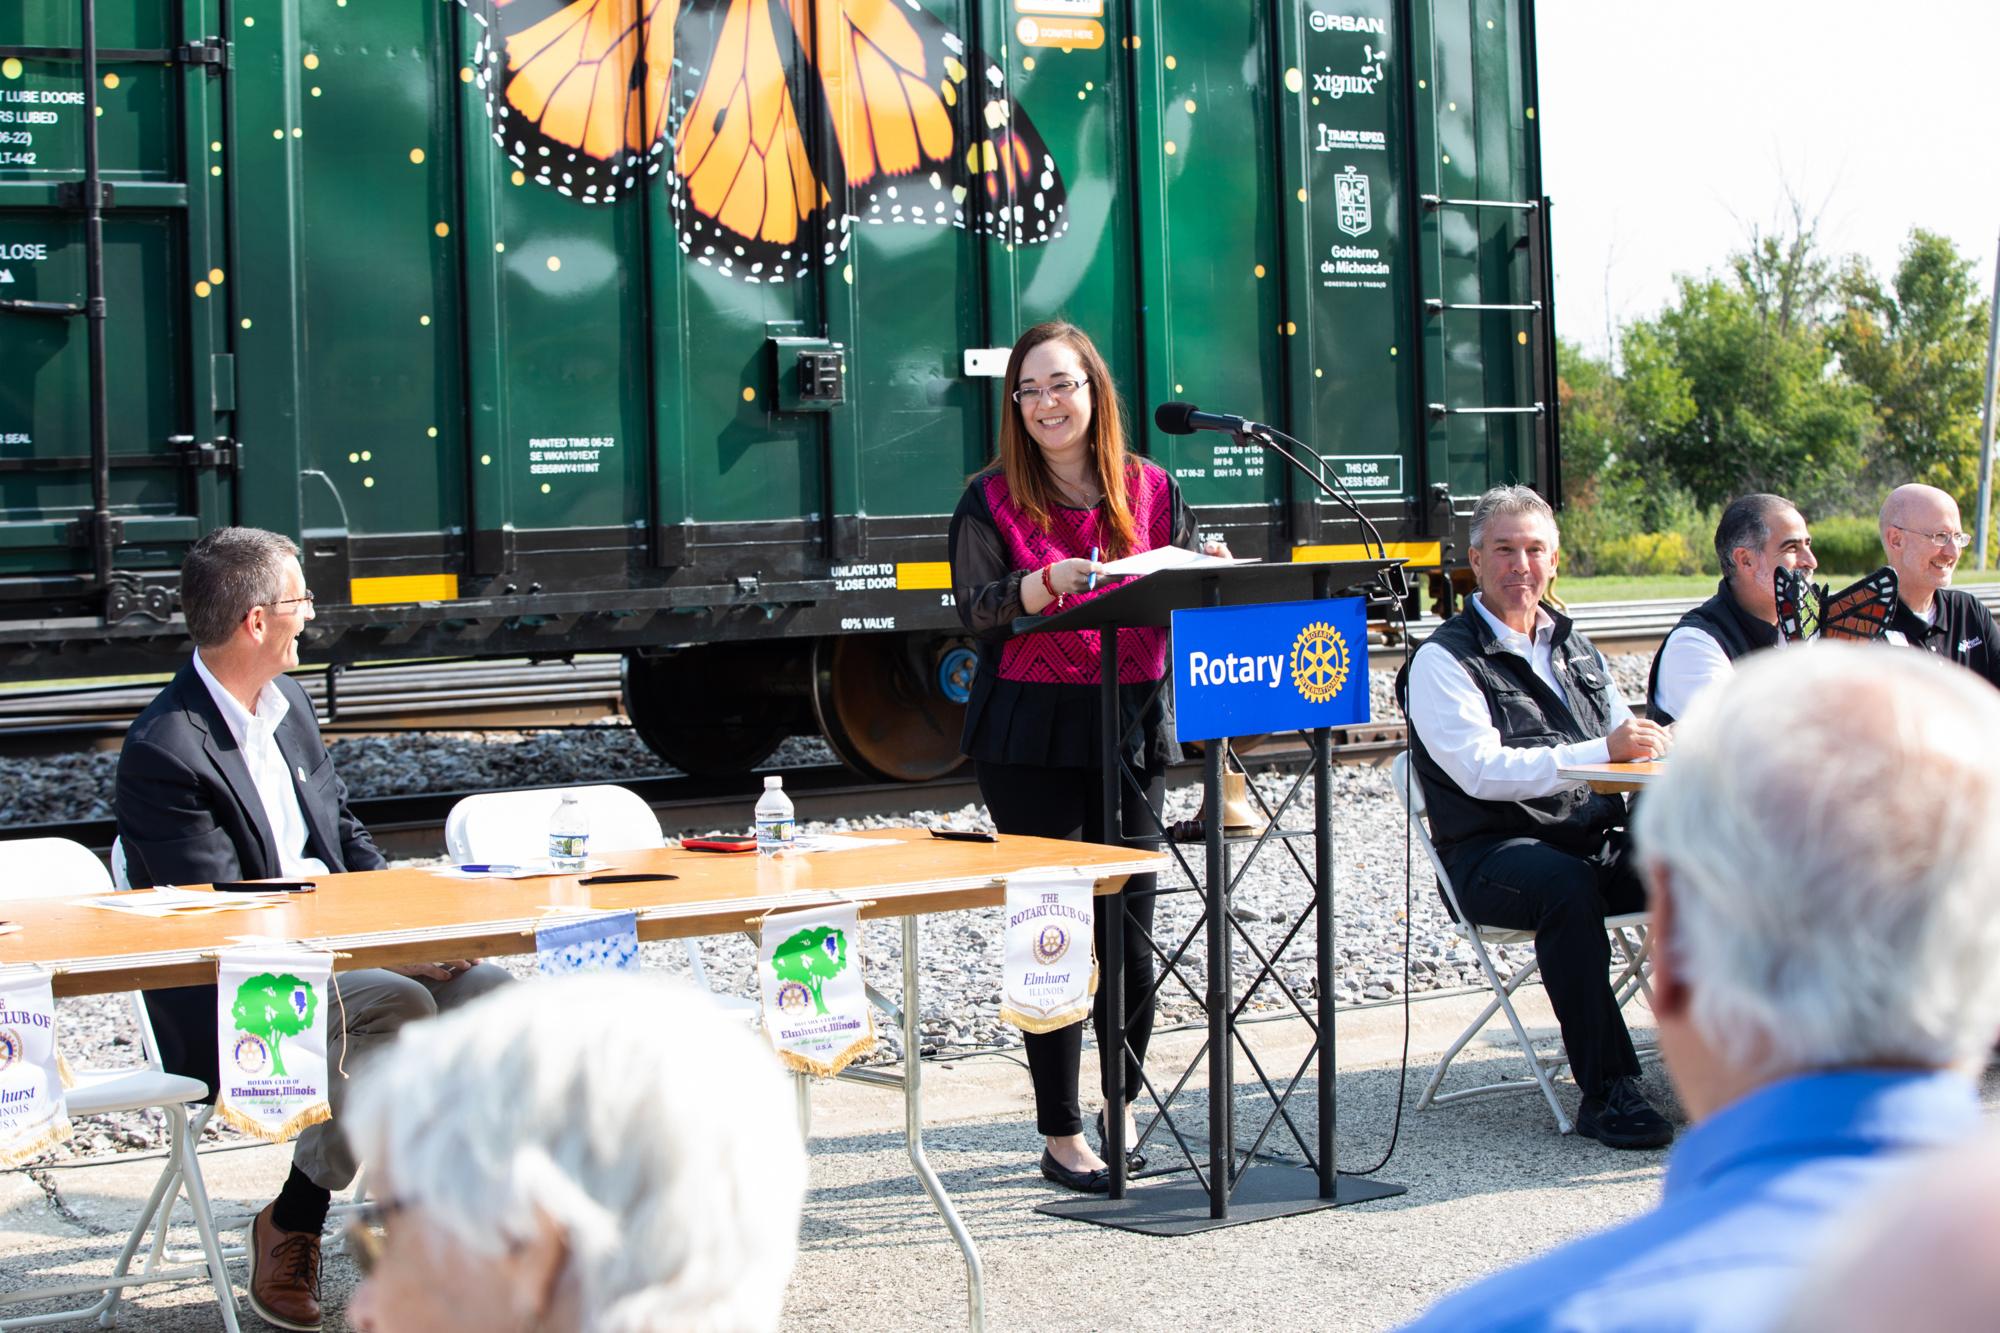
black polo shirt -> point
(1961, 630)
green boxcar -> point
(674, 327)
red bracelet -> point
(1046, 583)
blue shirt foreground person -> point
(1824, 987)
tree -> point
(1919, 349)
(273, 1007)
(812, 958)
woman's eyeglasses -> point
(1058, 389)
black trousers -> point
(1068, 803)
(1526, 884)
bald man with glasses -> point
(1922, 539)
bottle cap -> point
(772, 781)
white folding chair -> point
(1631, 980)
(58, 868)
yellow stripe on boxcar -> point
(403, 588)
(920, 575)
(1421, 555)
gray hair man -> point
(1756, 537)
(224, 777)
(1825, 990)
(605, 1152)
(1922, 539)
(1500, 698)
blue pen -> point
(486, 870)
(1093, 573)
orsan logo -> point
(1347, 23)
(1319, 662)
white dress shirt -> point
(1691, 664)
(257, 737)
(1449, 711)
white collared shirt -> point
(1451, 717)
(257, 737)
(1691, 663)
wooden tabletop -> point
(1633, 776)
(382, 917)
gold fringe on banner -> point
(861, 1045)
(1040, 1023)
(285, 1133)
(13, 1154)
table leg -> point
(913, 1132)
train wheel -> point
(719, 709)
(893, 705)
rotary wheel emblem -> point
(1319, 662)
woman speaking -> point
(1029, 534)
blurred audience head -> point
(1822, 853)
(1756, 536)
(605, 1152)
(1917, 1254)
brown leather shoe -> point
(284, 1274)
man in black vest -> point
(1501, 696)
(1921, 536)
(1758, 536)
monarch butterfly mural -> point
(586, 96)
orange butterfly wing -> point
(747, 198)
(578, 90)
(1861, 610)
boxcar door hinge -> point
(210, 52)
(73, 196)
(197, 454)
(83, 528)
(130, 596)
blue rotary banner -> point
(1282, 666)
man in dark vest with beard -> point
(1758, 536)
(1504, 694)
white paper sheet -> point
(526, 870)
(837, 842)
(181, 902)
(1168, 557)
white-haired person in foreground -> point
(607, 1153)
(1826, 917)
(1916, 1255)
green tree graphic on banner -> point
(812, 958)
(274, 1007)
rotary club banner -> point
(32, 1115)
(815, 1007)
(271, 1017)
(1048, 970)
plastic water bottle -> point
(776, 830)
(569, 834)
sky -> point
(1670, 130)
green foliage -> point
(1646, 553)
(1847, 545)
(264, 1009)
(1918, 349)
(812, 958)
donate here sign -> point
(1282, 666)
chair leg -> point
(155, 1215)
(204, 1222)
(802, 1091)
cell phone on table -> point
(964, 835)
(719, 844)
(264, 886)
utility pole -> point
(1986, 415)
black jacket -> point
(1961, 631)
(188, 813)
(1735, 631)
(1527, 713)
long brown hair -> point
(1029, 480)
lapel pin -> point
(301, 772)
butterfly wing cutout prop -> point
(1861, 610)
(1798, 605)
(728, 96)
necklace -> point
(1084, 495)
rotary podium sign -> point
(1279, 666)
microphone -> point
(1186, 419)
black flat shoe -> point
(1083, 1182)
(1622, 1118)
(1134, 1161)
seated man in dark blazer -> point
(224, 777)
